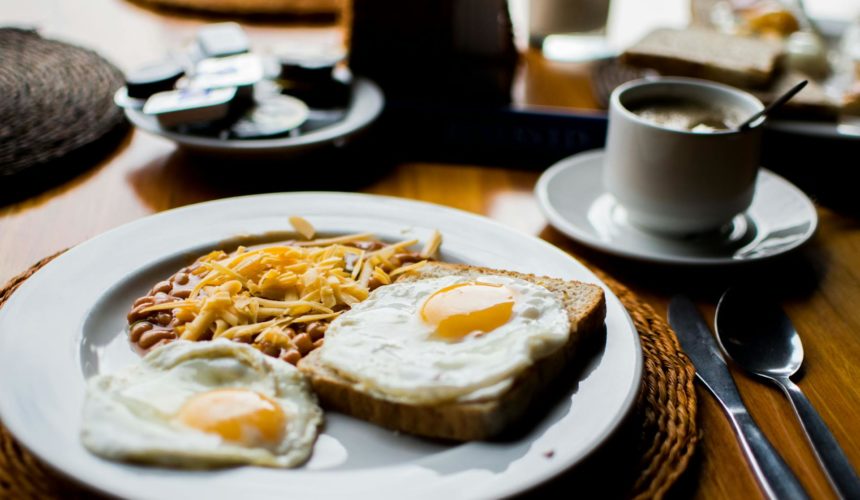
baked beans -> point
(149, 329)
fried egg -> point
(203, 404)
(443, 339)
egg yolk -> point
(237, 415)
(461, 309)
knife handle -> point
(772, 473)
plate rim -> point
(524, 484)
(558, 221)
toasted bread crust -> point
(700, 53)
(472, 420)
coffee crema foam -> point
(687, 115)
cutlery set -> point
(762, 340)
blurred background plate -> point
(366, 103)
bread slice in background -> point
(811, 103)
(474, 419)
(753, 64)
(702, 53)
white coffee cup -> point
(679, 182)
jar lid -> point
(152, 78)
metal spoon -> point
(776, 104)
(759, 337)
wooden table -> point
(819, 286)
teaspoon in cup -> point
(760, 337)
(776, 104)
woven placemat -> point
(666, 412)
(55, 99)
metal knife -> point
(771, 471)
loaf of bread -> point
(474, 418)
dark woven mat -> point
(665, 416)
(56, 102)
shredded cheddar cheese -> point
(254, 295)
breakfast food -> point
(813, 102)
(687, 114)
(452, 351)
(734, 60)
(200, 405)
(278, 298)
(765, 66)
(429, 348)
(851, 100)
(766, 18)
(806, 53)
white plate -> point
(572, 196)
(366, 103)
(66, 323)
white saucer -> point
(571, 195)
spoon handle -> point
(842, 475)
(777, 103)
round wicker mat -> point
(56, 99)
(666, 412)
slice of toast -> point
(479, 418)
(811, 103)
(701, 53)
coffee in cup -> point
(675, 158)
(687, 114)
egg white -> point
(129, 415)
(384, 346)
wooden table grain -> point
(819, 286)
